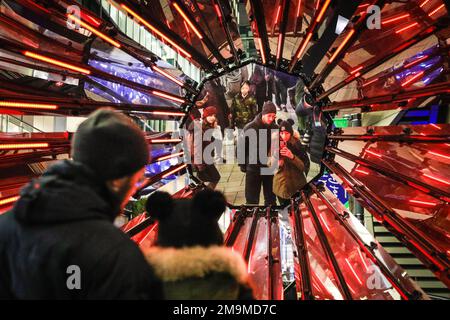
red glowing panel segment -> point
(308, 37)
(424, 203)
(403, 16)
(439, 155)
(407, 27)
(322, 11)
(168, 96)
(187, 20)
(168, 75)
(414, 78)
(154, 141)
(174, 171)
(8, 200)
(347, 38)
(437, 179)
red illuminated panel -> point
(154, 141)
(407, 27)
(436, 10)
(168, 96)
(349, 35)
(56, 62)
(187, 20)
(174, 171)
(168, 113)
(395, 18)
(263, 56)
(168, 75)
(412, 79)
(170, 156)
(308, 37)
(12, 104)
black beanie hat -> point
(110, 144)
(286, 125)
(269, 107)
(187, 222)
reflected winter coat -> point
(243, 110)
(200, 273)
(291, 176)
(63, 219)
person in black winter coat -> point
(189, 256)
(254, 162)
(59, 241)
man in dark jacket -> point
(254, 162)
(59, 241)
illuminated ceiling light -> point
(174, 171)
(8, 200)
(308, 37)
(168, 96)
(261, 49)
(188, 21)
(370, 82)
(417, 76)
(14, 146)
(322, 11)
(350, 34)
(353, 271)
(97, 33)
(439, 155)
(11, 104)
(437, 179)
(155, 30)
(424, 3)
(423, 203)
(396, 18)
(156, 141)
(168, 75)
(414, 62)
(170, 156)
(436, 10)
(168, 113)
(56, 62)
(362, 171)
(407, 27)
(374, 153)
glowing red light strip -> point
(424, 3)
(278, 14)
(97, 33)
(356, 70)
(407, 27)
(308, 37)
(414, 62)
(188, 21)
(363, 260)
(168, 113)
(324, 223)
(370, 82)
(9, 200)
(167, 96)
(439, 155)
(322, 11)
(168, 75)
(423, 202)
(12, 146)
(298, 8)
(56, 62)
(395, 19)
(362, 171)
(440, 266)
(374, 153)
(433, 125)
(280, 38)
(364, 5)
(436, 10)
(261, 49)
(350, 34)
(170, 156)
(437, 179)
(164, 140)
(156, 31)
(10, 104)
(174, 170)
(417, 76)
(219, 14)
(90, 19)
(353, 271)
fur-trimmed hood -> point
(173, 264)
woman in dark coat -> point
(190, 258)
